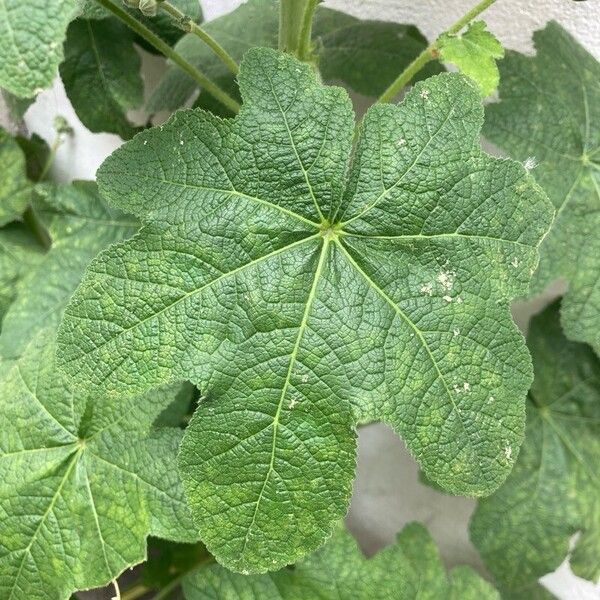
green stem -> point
(304, 43)
(37, 228)
(188, 24)
(135, 591)
(291, 21)
(430, 52)
(175, 583)
(139, 28)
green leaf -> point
(101, 74)
(19, 252)
(474, 53)
(302, 300)
(549, 114)
(37, 154)
(31, 37)
(83, 481)
(366, 55)
(80, 225)
(523, 530)
(15, 188)
(408, 569)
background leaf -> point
(549, 116)
(15, 188)
(523, 530)
(101, 74)
(31, 37)
(83, 481)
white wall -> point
(387, 493)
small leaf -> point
(82, 481)
(80, 225)
(411, 568)
(523, 531)
(31, 37)
(15, 188)
(474, 53)
(101, 74)
(549, 116)
(302, 299)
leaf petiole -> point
(188, 24)
(431, 52)
(212, 88)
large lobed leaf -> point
(302, 300)
(80, 225)
(409, 569)
(31, 37)
(366, 55)
(523, 530)
(78, 493)
(550, 114)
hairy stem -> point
(304, 45)
(188, 24)
(291, 21)
(212, 88)
(430, 52)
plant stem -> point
(134, 592)
(37, 228)
(291, 21)
(139, 28)
(175, 583)
(188, 24)
(430, 52)
(304, 45)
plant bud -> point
(148, 7)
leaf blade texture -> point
(285, 301)
(80, 225)
(555, 128)
(524, 529)
(31, 37)
(83, 481)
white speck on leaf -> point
(456, 332)
(515, 262)
(447, 298)
(530, 163)
(427, 288)
(508, 451)
(446, 279)
(401, 142)
(293, 402)
(304, 378)
(425, 94)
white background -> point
(387, 493)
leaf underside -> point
(549, 114)
(302, 299)
(523, 530)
